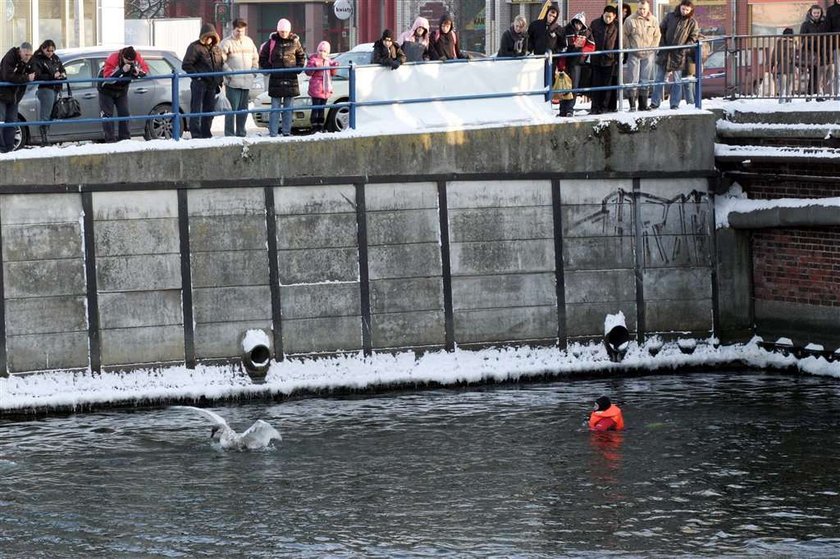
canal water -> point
(710, 465)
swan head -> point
(216, 432)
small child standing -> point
(320, 83)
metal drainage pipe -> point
(256, 354)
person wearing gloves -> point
(202, 56)
(320, 83)
(514, 40)
(386, 52)
(282, 50)
(606, 416)
(444, 43)
(415, 41)
(122, 65)
(239, 53)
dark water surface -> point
(711, 465)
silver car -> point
(146, 97)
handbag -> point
(66, 106)
(222, 102)
(562, 81)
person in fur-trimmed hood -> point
(282, 50)
(202, 56)
(576, 39)
(415, 41)
(444, 43)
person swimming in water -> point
(606, 416)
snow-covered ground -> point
(356, 372)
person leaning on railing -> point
(15, 68)
(126, 64)
(48, 67)
(444, 42)
(816, 57)
(415, 41)
(386, 52)
(514, 41)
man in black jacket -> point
(544, 34)
(203, 55)
(15, 68)
(604, 66)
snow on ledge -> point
(736, 201)
(80, 389)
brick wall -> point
(798, 265)
(801, 188)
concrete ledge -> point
(808, 216)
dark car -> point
(146, 97)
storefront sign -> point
(343, 9)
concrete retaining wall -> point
(462, 238)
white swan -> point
(257, 436)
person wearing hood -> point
(576, 40)
(606, 416)
(386, 52)
(641, 31)
(15, 68)
(444, 42)
(203, 56)
(544, 33)
(126, 64)
(515, 40)
(678, 28)
(282, 50)
(415, 41)
(239, 53)
(605, 66)
(321, 69)
(815, 50)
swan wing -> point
(259, 435)
(215, 418)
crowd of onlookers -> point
(582, 61)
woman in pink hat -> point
(282, 50)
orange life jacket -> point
(613, 412)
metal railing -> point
(751, 66)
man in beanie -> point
(282, 51)
(604, 66)
(386, 52)
(239, 53)
(202, 56)
(14, 68)
(123, 66)
(606, 416)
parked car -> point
(146, 97)
(337, 119)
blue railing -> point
(177, 116)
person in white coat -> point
(239, 53)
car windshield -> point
(345, 58)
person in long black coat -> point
(282, 50)
(604, 66)
(203, 55)
(15, 68)
(816, 50)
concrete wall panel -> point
(594, 191)
(501, 257)
(224, 339)
(405, 226)
(42, 241)
(598, 253)
(501, 224)
(110, 206)
(317, 231)
(670, 188)
(491, 325)
(138, 273)
(322, 300)
(227, 232)
(677, 284)
(613, 219)
(677, 218)
(404, 295)
(41, 315)
(64, 350)
(227, 269)
(44, 278)
(136, 236)
(222, 304)
(226, 202)
(600, 286)
(495, 194)
(408, 329)
(334, 198)
(678, 316)
(587, 319)
(677, 250)
(31, 208)
(318, 265)
(322, 334)
(504, 291)
(401, 196)
(133, 309)
(149, 344)
(404, 261)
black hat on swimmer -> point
(603, 403)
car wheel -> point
(338, 119)
(21, 136)
(160, 128)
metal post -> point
(620, 91)
(176, 106)
(549, 82)
(352, 96)
(698, 75)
